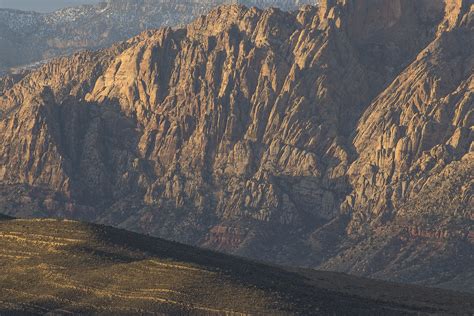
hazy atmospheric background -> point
(42, 5)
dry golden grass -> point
(70, 267)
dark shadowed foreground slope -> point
(66, 266)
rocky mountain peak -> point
(316, 137)
(29, 39)
(366, 19)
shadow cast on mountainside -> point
(294, 289)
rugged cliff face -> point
(337, 137)
(28, 39)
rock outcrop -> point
(337, 136)
(28, 39)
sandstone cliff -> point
(337, 136)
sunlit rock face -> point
(327, 137)
(28, 38)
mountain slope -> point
(64, 266)
(30, 37)
(419, 174)
(325, 138)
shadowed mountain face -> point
(337, 137)
(64, 266)
(29, 38)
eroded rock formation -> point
(337, 136)
(28, 39)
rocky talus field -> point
(336, 137)
(57, 267)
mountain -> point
(336, 137)
(43, 6)
(28, 38)
(62, 267)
